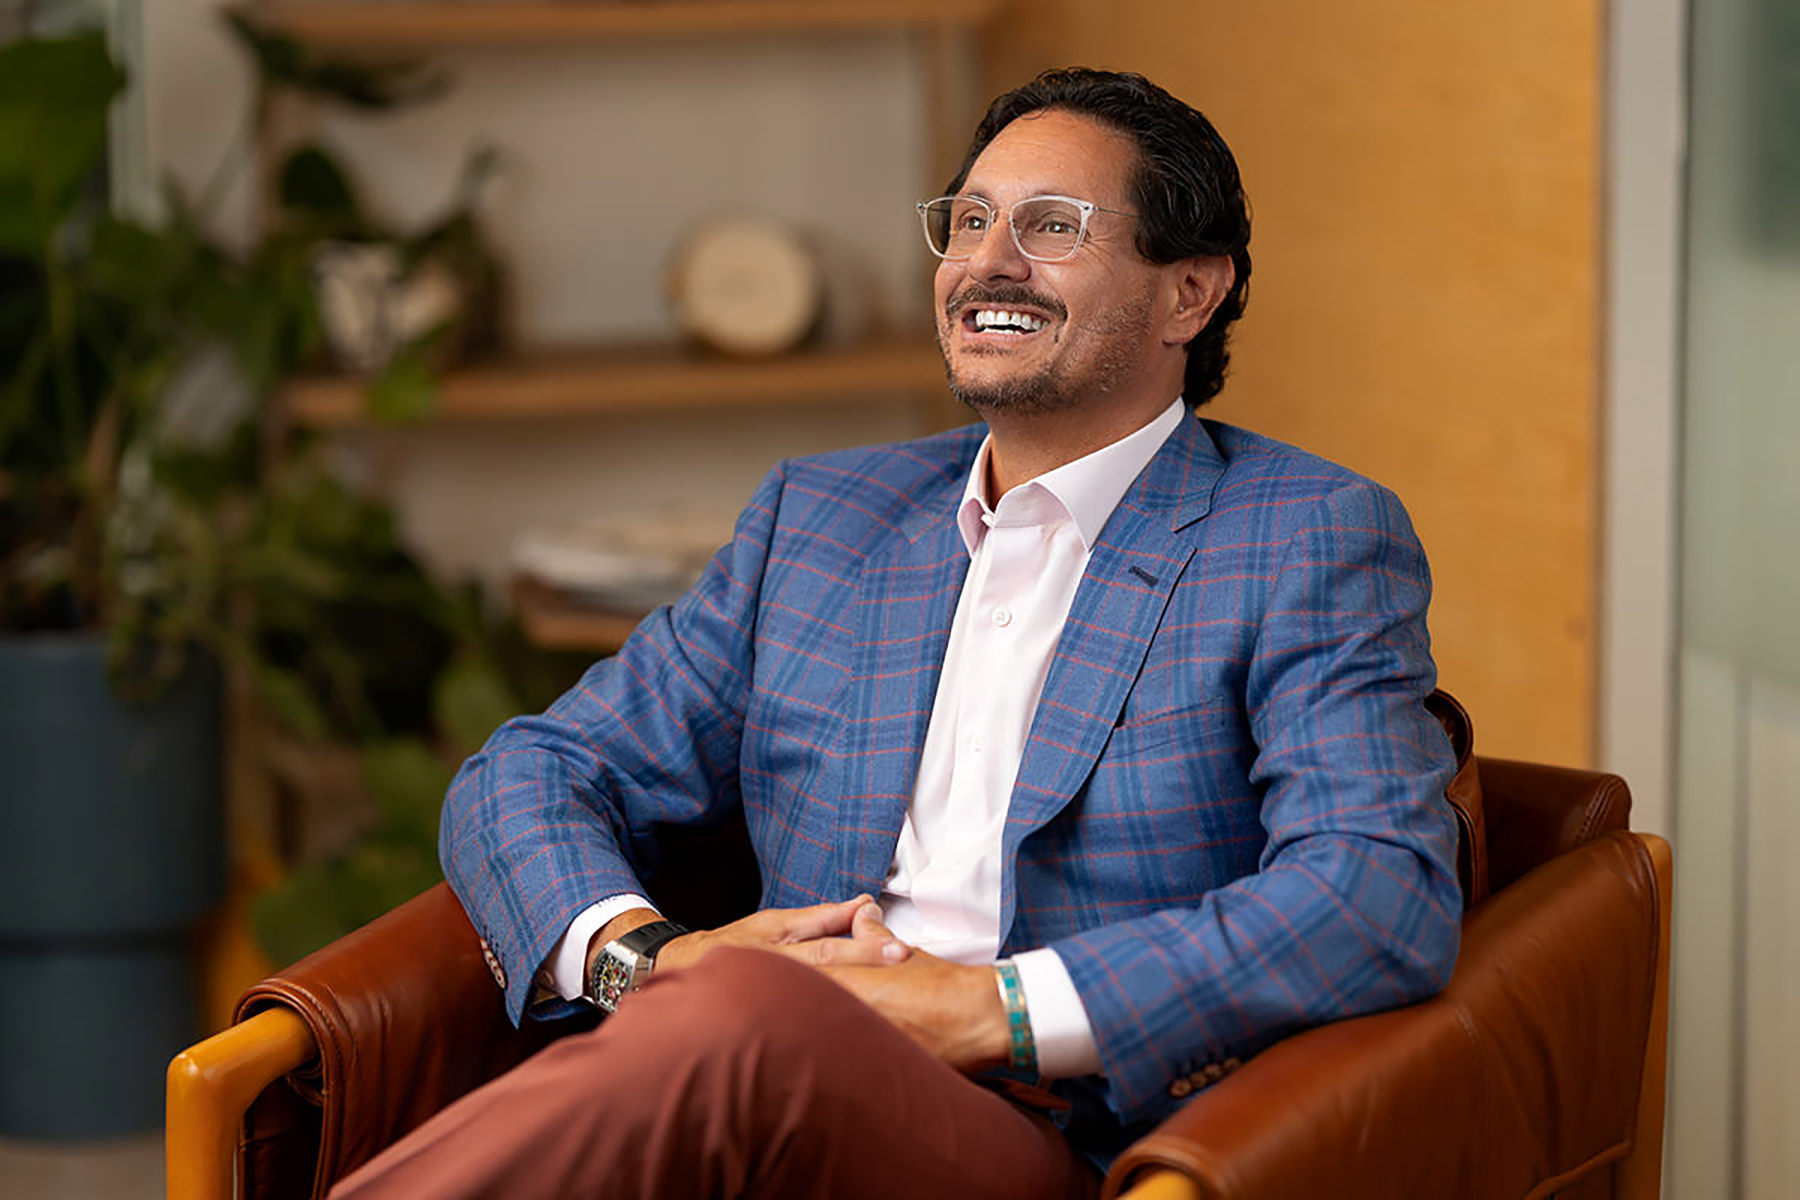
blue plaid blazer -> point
(1229, 818)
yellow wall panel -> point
(1425, 307)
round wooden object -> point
(746, 285)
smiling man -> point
(1083, 750)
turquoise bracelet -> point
(1021, 1046)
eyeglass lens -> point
(1044, 227)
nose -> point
(998, 257)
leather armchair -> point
(1538, 1072)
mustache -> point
(1000, 296)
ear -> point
(1200, 284)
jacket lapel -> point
(905, 602)
(1135, 564)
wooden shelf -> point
(550, 620)
(363, 23)
(641, 381)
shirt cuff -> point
(1059, 1022)
(566, 964)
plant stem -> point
(100, 463)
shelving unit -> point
(598, 383)
(648, 380)
(551, 621)
(942, 25)
(402, 23)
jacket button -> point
(493, 964)
(1232, 1064)
(1180, 1088)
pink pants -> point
(747, 1075)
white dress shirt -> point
(1027, 555)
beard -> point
(1060, 383)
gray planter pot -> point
(111, 849)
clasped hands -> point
(953, 1011)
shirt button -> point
(1003, 617)
(975, 744)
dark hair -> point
(1185, 186)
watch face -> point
(612, 979)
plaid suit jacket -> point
(1229, 817)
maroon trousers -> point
(746, 1075)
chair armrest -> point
(211, 1085)
(406, 1019)
(1162, 1185)
(1522, 1076)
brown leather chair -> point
(1537, 1072)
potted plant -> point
(158, 531)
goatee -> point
(1049, 388)
(1039, 392)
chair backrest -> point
(1514, 816)
(1537, 812)
(1464, 794)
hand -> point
(847, 933)
(954, 1011)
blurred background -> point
(367, 368)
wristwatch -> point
(624, 964)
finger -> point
(844, 952)
(818, 921)
(866, 926)
(866, 921)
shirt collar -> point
(1084, 491)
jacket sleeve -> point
(1354, 906)
(555, 812)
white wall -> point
(196, 100)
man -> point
(1084, 754)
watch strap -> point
(647, 939)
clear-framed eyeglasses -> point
(1044, 228)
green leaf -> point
(470, 701)
(130, 263)
(304, 574)
(315, 186)
(54, 97)
(380, 876)
(405, 391)
(407, 782)
(291, 704)
(388, 83)
(301, 914)
(320, 903)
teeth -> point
(990, 319)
